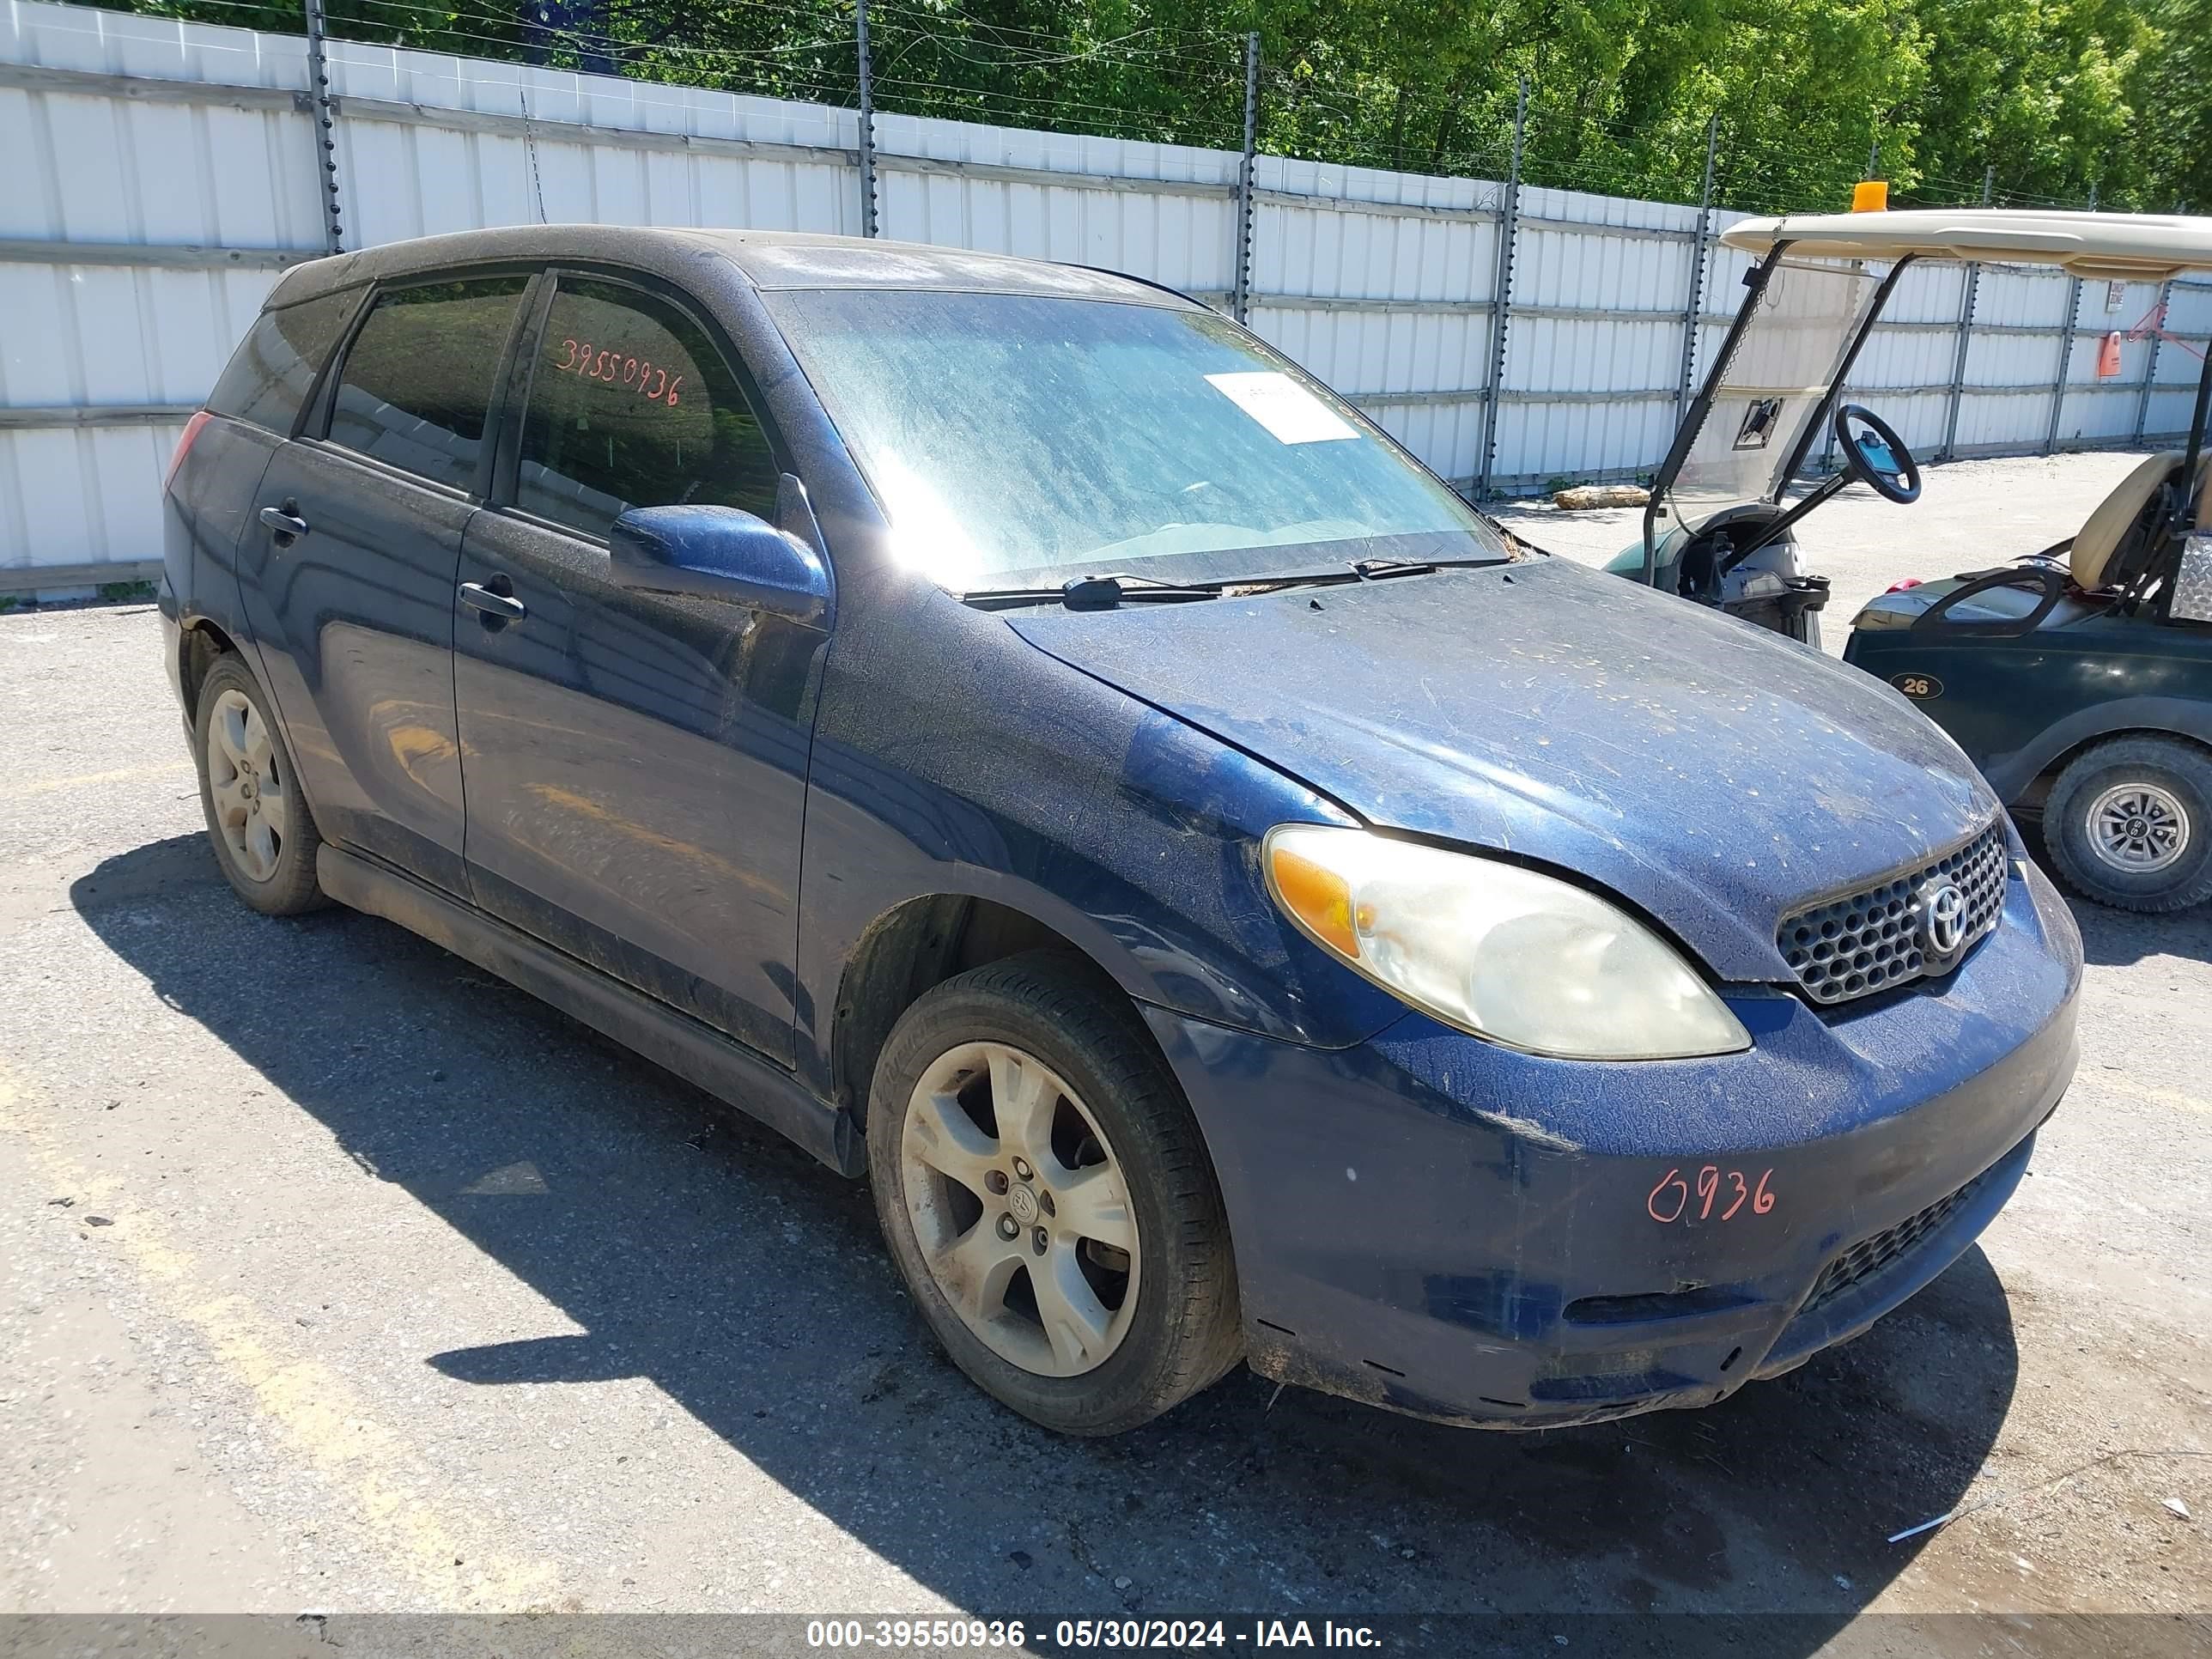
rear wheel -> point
(264, 837)
(2129, 823)
(1045, 1195)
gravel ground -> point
(335, 1275)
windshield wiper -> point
(1376, 570)
(1095, 594)
(1108, 593)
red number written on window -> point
(613, 366)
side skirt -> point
(696, 1052)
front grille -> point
(1872, 939)
(1864, 1259)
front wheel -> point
(2129, 823)
(1045, 1195)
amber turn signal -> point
(1320, 898)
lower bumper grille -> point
(1863, 1260)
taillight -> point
(1898, 587)
(184, 448)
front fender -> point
(1130, 833)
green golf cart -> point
(2079, 677)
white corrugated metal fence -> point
(160, 174)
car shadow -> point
(699, 1251)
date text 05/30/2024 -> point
(1005, 1635)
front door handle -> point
(500, 607)
(286, 521)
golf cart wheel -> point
(1047, 1198)
(2129, 823)
(264, 837)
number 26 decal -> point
(1670, 1200)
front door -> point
(347, 569)
(637, 762)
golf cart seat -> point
(2118, 530)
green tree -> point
(2170, 93)
(2056, 96)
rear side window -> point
(631, 404)
(271, 374)
(416, 388)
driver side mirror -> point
(719, 553)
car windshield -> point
(1774, 382)
(1020, 440)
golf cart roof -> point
(2097, 244)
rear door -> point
(637, 762)
(256, 404)
(349, 563)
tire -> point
(2089, 829)
(1045, 1027)
(257, 821)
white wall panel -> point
(1541, 442)
(2012, 297)
(101, 169)
(2173, 400)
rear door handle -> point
(285, 522)
(502, 606)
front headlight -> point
(1503, 952)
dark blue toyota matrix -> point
(1010, 730)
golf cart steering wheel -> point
(1877, 456)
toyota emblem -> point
(1942, 919)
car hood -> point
(1712, 773)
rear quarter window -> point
(270, 376)
(416, 388)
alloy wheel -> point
(251, 795)
(1020, 1208)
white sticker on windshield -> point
(1286, 409)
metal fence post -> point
(1240, 297)
(867, 120)
(2150, 368)
(1966, 336)
(324, 113)
(1501, 297)
(2066, 351)
(2157, 339)
(1699, 247)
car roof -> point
(766, 259)
(2108, 245)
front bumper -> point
(1439, 1225)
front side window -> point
(1013, 438)
(271, 374)
(631, 404)
(416, 391)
